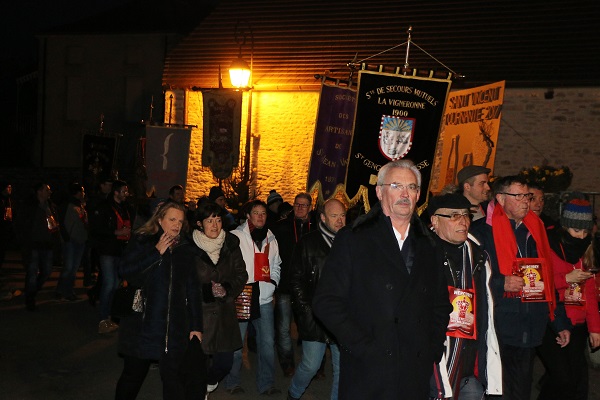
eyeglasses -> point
(411, 187)
(456, 216)
(519, 196)
(299, 205)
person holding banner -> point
(572, 260)
(522, 282)
(471, 366)
(384, 297)
(263, 264)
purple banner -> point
(333, 133)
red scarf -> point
(505, 243)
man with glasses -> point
(512, 233)
(473, 184)
(383, 296)
(288, 232)
(471, 366)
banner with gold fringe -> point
(397, 117)
(333, 132)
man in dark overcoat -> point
(383, 296)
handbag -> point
(127, 300)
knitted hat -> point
(273, 197)
(215, 193)
(577, 214)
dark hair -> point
(174, 188)
(206, 210)
(38, 186)
(305, 196)
(117, 185)
(252, 204)
(502, 184)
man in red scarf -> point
(513, 235)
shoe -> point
(107, 326)
(270, 391)
(211, 388)
(290, 397)
(288, 372)
(236, 390)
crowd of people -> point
(454, 303)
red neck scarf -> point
(505, 243)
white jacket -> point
(248, 248)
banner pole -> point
(409, 31)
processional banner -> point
(333, 133)
(397, 117)
(469, 132)
(98, 157)
(222, 124)
(167, 155)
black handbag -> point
(127, 300)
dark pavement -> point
(56, 353)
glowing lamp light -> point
(239, 73)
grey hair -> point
(406, 164)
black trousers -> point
(566, 368)
(183, 377)
(517, 372)
(219, 365)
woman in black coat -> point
(169, 328)
(222, 273)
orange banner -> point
(469, 132)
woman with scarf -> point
(222, 274)
(168, 326)
(566, 367)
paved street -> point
(56, 353)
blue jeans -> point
(265, 348)
(312, 356)
(39, 268)
(283, 320)
(72, 253)
(109, 265)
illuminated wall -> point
(283, 126)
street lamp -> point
(239, 73)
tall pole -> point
(409, 31)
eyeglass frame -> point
(411, 187)
(455, 217)
(300, 205)
(522, 196)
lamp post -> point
(241, 78)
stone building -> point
(544, 53)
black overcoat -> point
(390, 324)
(163, 326)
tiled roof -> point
(527, 43)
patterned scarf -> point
(327, 234)
(212, 247)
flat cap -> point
(454, 201)
(470, 171)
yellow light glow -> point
(239, 73)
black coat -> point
(163, 325)
(221, 328)
(390, 325)
(307, 263)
